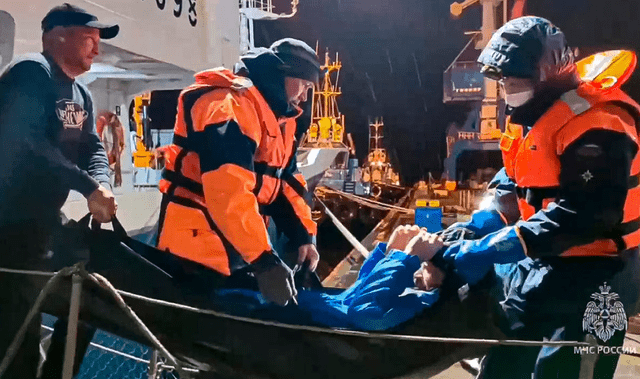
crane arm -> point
(457, 8)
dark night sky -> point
(381, 42)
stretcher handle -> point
(95, 225)
(122, 235)
(305, 278)
(118, 228)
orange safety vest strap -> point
(172, 174)
(278, 173)
(296, 185)
(632, 240)
(182, 181)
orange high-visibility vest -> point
(533, 161)
(213, 216)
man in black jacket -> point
(48, 146)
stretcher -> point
(228, 346)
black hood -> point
(262, 66)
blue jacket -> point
(382, 298)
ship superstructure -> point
(323, 156)
(377, 171)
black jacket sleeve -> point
(93, 157)
(287, 222)
(590, 203)
(26, 116)
(282, 213)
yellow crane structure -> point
(142, 156)
(489, 127)
(327, 123)
(463, 82)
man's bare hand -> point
(401, 237)
(102, 205)
(308, 253)
(428, 277)
(425, 245)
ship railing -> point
(263, 5)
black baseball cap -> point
(71, 15)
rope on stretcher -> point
(366, 202)
(96, 278)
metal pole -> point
(347, 234)
(72, 327)
(153, 365)
(252, 43)
(505, 12)
(488, 21)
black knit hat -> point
(299, 60)
(71, 15)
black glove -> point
(453, 234)
(275, 279)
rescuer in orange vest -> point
(233, 163)
(569, 267)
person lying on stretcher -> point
(397, 282)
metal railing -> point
(263, 5)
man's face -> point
(297, 90)
(81, 45)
